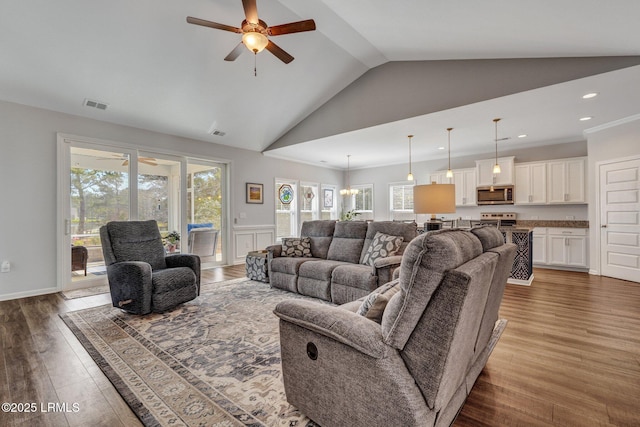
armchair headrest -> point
(133, 241)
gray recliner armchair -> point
(141, 278)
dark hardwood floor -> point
(570, 356)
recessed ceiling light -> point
(440, 148)
(584, 119)
(524, 135)
(590, 95)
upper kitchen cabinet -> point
(465, 182)
(566, 181)
(531, 183)
(486, 177)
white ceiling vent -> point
(217, 132)
(95, 104)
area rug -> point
(214, 361)
(85, 292)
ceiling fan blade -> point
(278, 52)
(210, 24)
(250, 11)
(235, 52)
(148, 162)
(292, 27)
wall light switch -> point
(5, 267)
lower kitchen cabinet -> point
(539, 245)
(560, 247)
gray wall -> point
(28, 212)
(402, 89)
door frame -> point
(596, 234)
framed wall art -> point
(255, 193)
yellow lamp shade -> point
(434, 199)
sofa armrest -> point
(384, 268)
(274, 250)
(342, 325)
(186, 260)
(130, 286)
(390, 261)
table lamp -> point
(434, 199)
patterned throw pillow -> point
(374, 304)
(382, 246)
(296, 247)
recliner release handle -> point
(312, 351)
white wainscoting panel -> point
(247, 238)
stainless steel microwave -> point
(495, 195)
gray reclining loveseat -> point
(418, 364)
(342, 260)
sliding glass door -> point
(99, 191)
(103, 183)
(206, 207)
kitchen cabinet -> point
(539, 255)
(465, 182)
(530, 183)
(440, 177)
(566, 181)
(567, 247)
(486, 177)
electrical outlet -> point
(534, 217)
(5, 267)
(570, 217)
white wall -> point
(618, 141)
(28, 177)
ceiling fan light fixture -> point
(255, 41)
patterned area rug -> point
(214, 361)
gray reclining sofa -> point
(340, 265)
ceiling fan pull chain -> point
(255, 65)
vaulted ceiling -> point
(155, 71)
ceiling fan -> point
(255, 32)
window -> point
(310, 199)
(401, 201)
(329, 202)
(363, 201)
(286, 213)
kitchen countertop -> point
(551, 223)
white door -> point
(620, 219)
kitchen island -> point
(522, 271)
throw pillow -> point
(296, 247)
(382, 246)
(374, 304)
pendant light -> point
(348, 191)
(496, 167)
(449, 171)
(410, 175)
